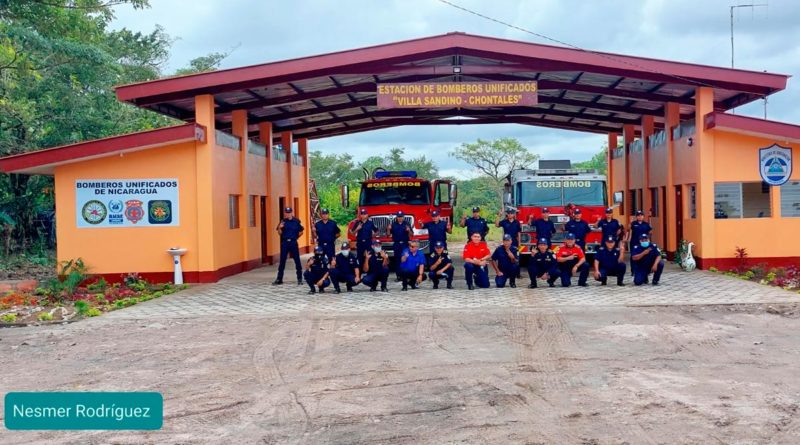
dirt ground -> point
(614, 375)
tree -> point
(496, 159)
(598, 162)
(202, 64)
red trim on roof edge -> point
(74, 152)
(779, 130)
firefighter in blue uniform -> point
(505, 262)
(511, 226)
(475, 224)
(345, 269)
(610, 226)
(609, 261)
(579, 228)
(363, 229)
(326, 231)
(317, 272)
(401, 233)
(646, 259)
(543, 264)
(437, 230)
(572, 261)
(638, 227)
(543, 226)
(440, 266)
(412, 265)
(289, 229)
(375, 268)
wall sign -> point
(457, 94)
(126, 202)
(775, 164)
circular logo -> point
(115, 206)
(94, 212)
(159, 211)
(775, 169)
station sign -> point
(126, 202)
(457, 94)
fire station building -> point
(215, 183)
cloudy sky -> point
(258, 31)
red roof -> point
(44, 161)
(752, 126)
(333, 94)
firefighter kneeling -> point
(505, 261)
(317, 271)
(345, 269)
(543, 264)
(376, 267)
(610, 261)
(646, 259)
(412, 265)
(571, 261)
(440, 266)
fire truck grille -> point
(382, 222)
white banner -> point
(126, 202)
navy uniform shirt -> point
(320, 265)
(436, 231)
(578, 228)
(291, 229)
(501, 256)
(376, 262)
(544, 228)
(399, 231)
(476, 225)
(326, 232)
(434, 257)
(648, 259)
(512, 228)
(637, 229)
(346, 264)
(608, 258)
(609, 228)
(544, 261)
(364, 234)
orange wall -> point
(658, 165)
(618, 177)
(636, 165)
(685, 161)
(123, 249)
(226, 180)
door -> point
(263, 208)
(442, 199)
(678, 214)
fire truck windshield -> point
(395, 192)
(561, 192)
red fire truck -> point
(562, 189)
(386, 192)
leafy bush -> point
(45, 316)
(98, 286)
(93, 312)
(9, 318)
(81, 307)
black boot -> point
(277, 282)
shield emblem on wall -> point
(775, 164)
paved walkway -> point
(251, 293)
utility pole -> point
(751, 6)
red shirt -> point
(476, 251)
(565, 251)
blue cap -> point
(400, 213)
(318, 249)
(609, 210)
(577, 212)
(639, 212)
(644, 236)
(438, 244)
(545, 210)
(570, 236)
(476, 209)
(364, 212)
(435, 213)
(287, 210)
(544, 241)
(610, 239)
(376, 242)
(506, 237)
(324, 211)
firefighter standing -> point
(317, 271)
(437, 230)
(440, 266)
(610, 226)
(543, 264)
(646, 259)
(610, 261)
(401, 234)
(579, 228)
(376, 267)
(475, 224)
(412, 266)
(364, 230)
(476, 256)
(289, 229)
(571, 261)
(511, 226)
(505, 262)
(345, 269)
(326, 232)
(543, 226)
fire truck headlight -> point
(418, 232)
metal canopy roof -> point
(334, 94)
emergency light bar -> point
(395, 174)
(562, 171)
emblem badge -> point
(775, 164)
(159, 212)
(134, 211)
(94, 212)
(115, 206)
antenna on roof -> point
(752, 7)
